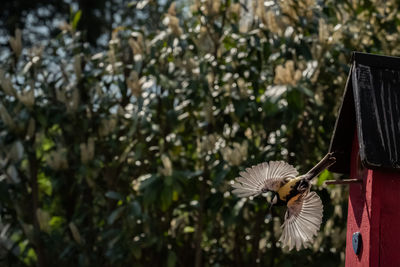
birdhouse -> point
(366, 142)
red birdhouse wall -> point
(374, 211)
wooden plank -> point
(374, 211)
(358, 210)
(387, 188)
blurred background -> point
(124, 122)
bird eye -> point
(264, 190)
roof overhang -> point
(371, 104)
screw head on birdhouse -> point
(357, 242)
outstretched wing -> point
(264, 176)
(302, 220)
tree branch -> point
(38, 246)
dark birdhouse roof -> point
(371, 104)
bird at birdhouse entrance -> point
(304, 208)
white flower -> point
(5, 116)
(87, 150)
(236, 155)
(134, 84)
(27, 98)
(167, 166)
(287, 74)
(6, 84)
(57, 159)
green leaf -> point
(188, 229)
(44, 184)
(168, 180)
(325, 175)
(115, 215)
(47, 144)
(76, 19)
(240, 108)
(147, 181)
(305, 91)
(175, 196)
(171, 262)
(114, 195)
(137, 252)
(135, 208)
(166, 198)
(56, 222)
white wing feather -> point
(265, 175)
(302, 221)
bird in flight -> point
(304, 208)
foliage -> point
(125, 156)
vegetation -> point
(123, 154)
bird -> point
(303, 216)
